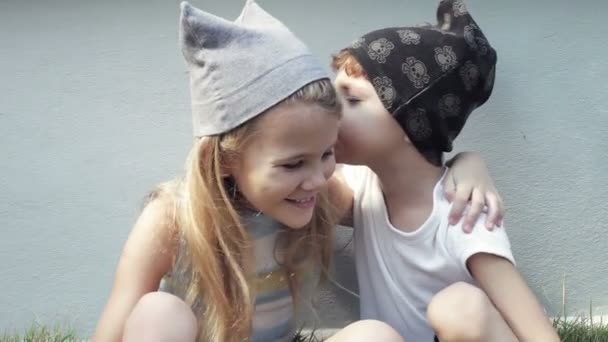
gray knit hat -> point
(240, 69)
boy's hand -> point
(468, 182)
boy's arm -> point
(506, 288)
(468, 181)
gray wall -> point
(93, 112)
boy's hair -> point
(430, 78)
(344, 60)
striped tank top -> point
(273, 319)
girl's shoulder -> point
(150, 250)
(159, 218)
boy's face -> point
(367, 129)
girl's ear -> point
(228, 172)
(226, 169)
(228, 162)
(206, 151)
(208, 147)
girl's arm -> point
(146, 257)
(468, 182)
(506, 288)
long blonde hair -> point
(217, 242)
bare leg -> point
(464, 313)
(160, 317)
(367, 330)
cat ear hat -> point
(239, 69)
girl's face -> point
(288, 161)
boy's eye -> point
(293, 166)
(352, 101)
(328, 154)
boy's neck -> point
(407, 180)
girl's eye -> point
(293, 166)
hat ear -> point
(452, 15)
(254, 15)
(201, 30)
(445, 14)
(446, 23)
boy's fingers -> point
(459, 203)
(501, 211)
(477, 204)
(494, 210)
(500, 219)
(449, 188)
(449, 195)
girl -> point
(232, 242)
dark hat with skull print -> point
(430, 78)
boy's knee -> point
(460, 312)
(368, 330)
(160, 316)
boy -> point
(407, 93)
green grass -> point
(577, 330)
(581, 330)
(41, 333)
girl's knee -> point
(160, 316)
(460, 312)
(367, 330)
(377, 331)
